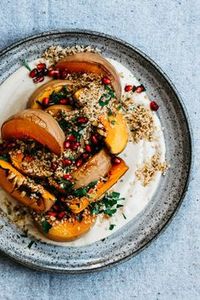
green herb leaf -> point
(25, 64)
(30, 244)
(111, 226)
(4, 157)
(46, 226)
(124, 216)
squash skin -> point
(116, 132)
(91, 63)
(44, 91)
(53, 110)
(43, 205)
(115, 173)
(37, 125)
(95, 168)
(66, 231)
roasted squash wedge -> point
(91, 63)
(116, 132)
(95, 168)
(11, 180)
(45, 91)
(55, 109)
(37, 125)
(115, 173)
(68, 231)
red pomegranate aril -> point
(56, 207)
(67, 145)
(33, 73)
(139, 89)
(85, 156)
(74, 145)
(45, 71)
(94, 139)
(54, 73)
(154, 106)
(61, 215)
(41, 66)
(82, 120)
(54, 166)
(63, 101)
(88, 148)
(67, 177)
(116, 160)
(128, 88)
(71, 138)
(79, 162)
(63, 74)
(45, 101)
(52, 213)
(106, 80)
(67, 162)
(38, 79)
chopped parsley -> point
(4, 157)
(108, 205)
(31, 244)
(46, 226)
(111, 226)
(106, 97)
(55, 97)
(83, 191)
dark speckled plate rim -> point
(187, 121)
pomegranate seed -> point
(45, 101)
(38, 79)
(54, 73)
(85, 156)
(54, 166)
(71, 138)
(116, 160)
(94, 139)
(41, 66)
(140, 89)
(79, 162)
(106, 80)
(33, 73)
(88, 148)
(56, 207)
(67, 162)
(45, 71)
(63, 101)
(67, 176)
(82, 120)
(10, 145)
(128, 88)
(63, 74)
(154, 106)
(52, 213)
(74, 145)
(67, 144)
(61, 214)
(28, 158)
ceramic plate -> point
(139, 232)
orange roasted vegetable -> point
(96, 167)
(116, 132)
(45, 91)
(55, 109)
(68, 230)
(115, 173)
(11, 181)
(91, 63)
(37, 125)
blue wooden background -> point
(169, 32)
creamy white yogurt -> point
(14, 94)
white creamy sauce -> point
(14, 94)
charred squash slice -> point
(37, 125)
(11, 180)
